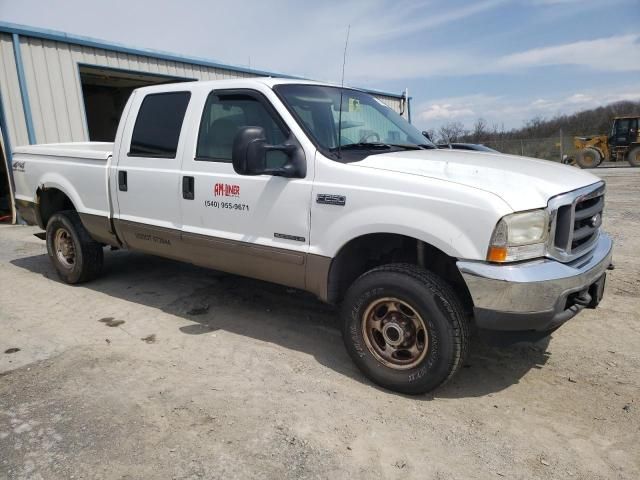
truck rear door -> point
(251, 225)
(147, 177)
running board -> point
(41, 235)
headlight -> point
(519, 236)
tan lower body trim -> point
(278, 265)
(99, 228)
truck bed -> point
(78, 169)
(85, 150)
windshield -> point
(367, 124)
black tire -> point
(633, 157)
(87, 254)
(588, 158)
(433, 300)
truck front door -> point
(147, 176)
(256, 226)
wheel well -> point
(369, 251)
(51, 201)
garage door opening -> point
(105, 92)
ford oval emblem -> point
(596, 220)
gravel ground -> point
(164, 370)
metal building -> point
(57, 87)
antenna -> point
(344, 61)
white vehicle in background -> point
(328, 190)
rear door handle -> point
(187, 188)
(122, 180)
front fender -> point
(453, 236)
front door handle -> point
(187, 188)
(122, 180)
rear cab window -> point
(157, 129)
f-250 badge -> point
(328, 199)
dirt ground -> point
(165, 370)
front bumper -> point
(536, 295)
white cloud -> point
(555, 2)
(401, 20)
(445, 111)
(579, 98)
(510, 111)
(617, 53)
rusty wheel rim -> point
(64, 248)
(395, 333)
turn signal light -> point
(497, 254)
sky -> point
(506, 61)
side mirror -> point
(426, 135)
(249, 155)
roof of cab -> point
(233, 83)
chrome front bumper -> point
(536, 295)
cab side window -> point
(157, 128)
(223, 115)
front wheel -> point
(633, 157)
(75, 255)
(405, 328)
(588, 158)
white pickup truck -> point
(328, 190)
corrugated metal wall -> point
(10, 91)
(55, 91)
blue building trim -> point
(7, 141)
(4, 130)
(56, 36)
(24, 93)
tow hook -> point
(584, 299)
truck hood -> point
(523, 183)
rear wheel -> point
(588, 158)
(405, 328)
(75, 255)
(633, 157)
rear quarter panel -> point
(83, 180)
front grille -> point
(576, 219)
(587, 221)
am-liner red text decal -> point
(226, 190)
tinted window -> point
(158, 125)
(224, 115)
(623, 126)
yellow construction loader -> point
(623, 143)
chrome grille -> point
(575, 221)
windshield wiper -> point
(380, 145)
(364, 146)
(409, 146)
